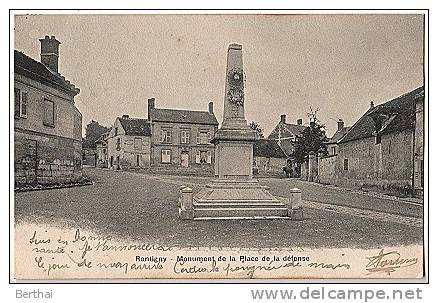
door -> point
(184, 159)
(138, 160)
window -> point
(17, 98)
(334, 150)
(118, 143)
(115, 131)
(185, 136)
(345, 164)
(378, 138)
(137, 143)
(23, 105)
(203, 157)
(165, 156)
(166, 136)
(202, 137)
(49, 113)
(20, 103)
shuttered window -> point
(23, 105)
(203, 157)
(203, 137)
(17, 99)
(166, 136)
(20, 103)
(185, 136)
(49, 113)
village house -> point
(129, 143)
(47, 124)
(419, 145)
(89, 154)
(180, 139)
(377, 151)
(286, 135)
(268, 158)
(332, 144)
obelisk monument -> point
(233, 193)
(234, 140)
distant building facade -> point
(268, 158)
(332, 144)
(286, 136)
(180, 139)
(419, 144)
(129, 143)
(47, 124)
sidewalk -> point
(367, 193)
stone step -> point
(242, 218)
(239, 204)
(240, 212)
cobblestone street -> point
(137, 206)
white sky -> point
(337, 63)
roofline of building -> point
(71, 87)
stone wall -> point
(270, 165)
(328, 169)
(364, 164)
(43, 159)
(304, 171)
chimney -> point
(210, 107)
(300, 121)
(283, 118)
(50, 52)
(151, 106)
(371, 104)
(340, 124)
(125, 117)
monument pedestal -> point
(237, 199)
(234, 194)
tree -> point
(93, 131)
(312, 139)
(256, 126)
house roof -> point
(135, 127)
(338, 135)
(26, 66)
(182, 116)
(399, 113)
(286, 130)
(102, 137)
(268, 148)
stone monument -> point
(233, 193)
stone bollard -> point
(180, 195)
(295, 207)
(186, 209)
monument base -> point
(237, 199)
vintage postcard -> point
(169, 145)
